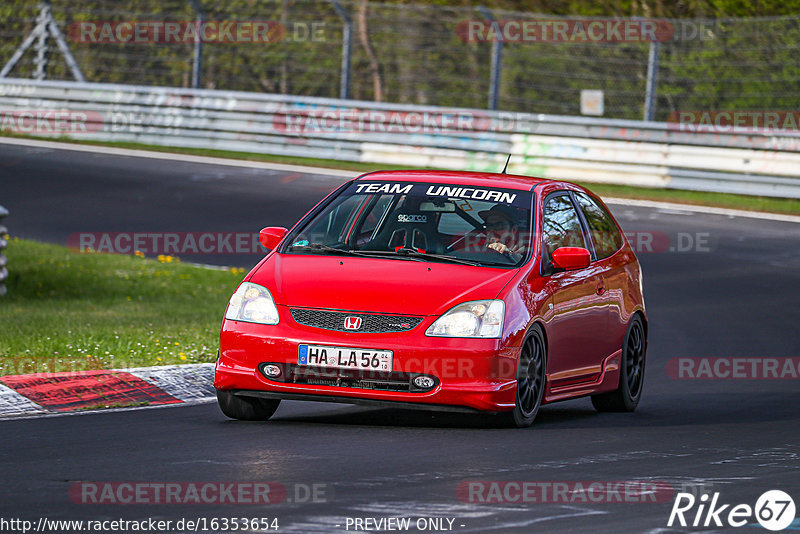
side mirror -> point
(571, 258)
(271, 236)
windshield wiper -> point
(442, 257)
(328, 248)
(350, 252)
(385, 253)
(404, 253)
(423, 256)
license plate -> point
(345, 357)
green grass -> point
(721, 200)
(66, 311)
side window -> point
(330, 230)
(605, 235)
(375, 214)
(561, 226)
(371, 218)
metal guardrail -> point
(3, 245)
(574, 148)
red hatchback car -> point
(439, 290)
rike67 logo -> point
(774, 510)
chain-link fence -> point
(430, 55)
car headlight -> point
(478, 318)
(252, 303)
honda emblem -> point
(352, 323)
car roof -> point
(486, 179)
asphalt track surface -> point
(736, 295)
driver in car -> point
(502, 231)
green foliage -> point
(66, 311)
(723, 63)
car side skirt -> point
(607, 381)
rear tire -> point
(631, 374)
(246, 408)
(530, 379)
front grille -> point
(370, 323)
(348, 378)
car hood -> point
(376, 284)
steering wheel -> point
(497, 251)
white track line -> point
(81, 413)
(55, 145)
(702, 209)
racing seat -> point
(412, 229)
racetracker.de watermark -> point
(731, 121)
(178, 243)
(581, 31)
(328, 120)
(141, 32)
(79, 122)
(180, 493)
(658, 242)
(564, 491)
(733, 368)
(50, 121)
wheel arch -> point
(645, 324)
(539, 322)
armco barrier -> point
(573, 148)
(3, 244)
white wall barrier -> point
(572, 148)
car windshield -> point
(473, 225)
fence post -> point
(197, 62)
(347, 48)
(497, 59)
(41, 42)
(45, 25)
(652, 81)
(3, 244)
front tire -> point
(530, 379)
(631, 377)
(246, 408)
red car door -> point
(577, 317)
(606, 240)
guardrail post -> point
(347, 48)
(197, 61)
(652, 82)
(3, 244)
(41, 42)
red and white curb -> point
(47, 393)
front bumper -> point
(471, 374)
